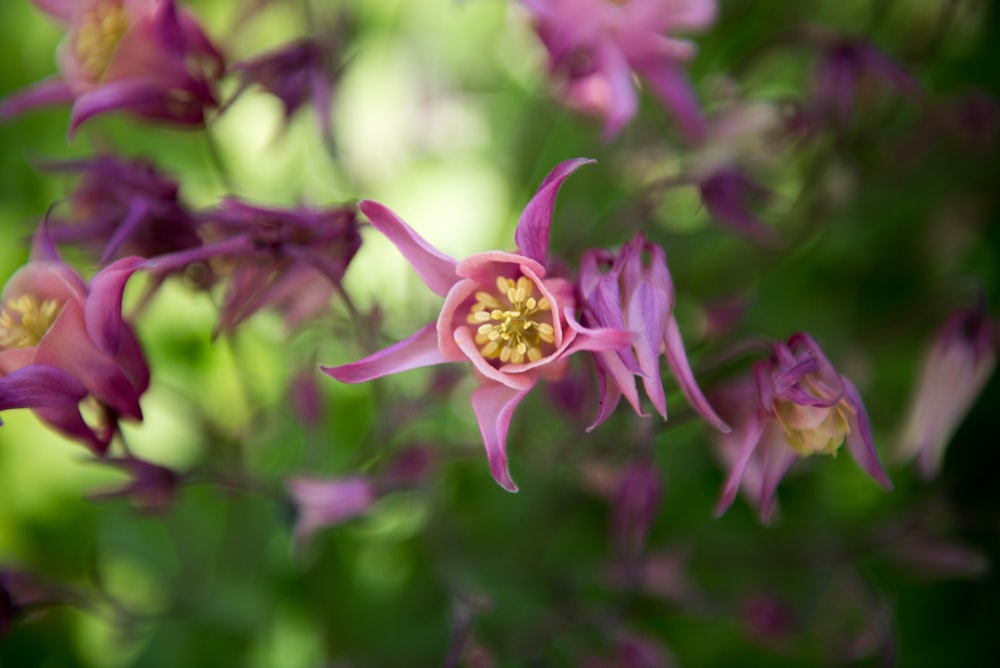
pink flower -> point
(501, 313)
(954, 372)
(146, 57)
(596, 45)
(795, 405)
(326, 502)
(637, 296)
(63, 341)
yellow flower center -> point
(98, 35)
(24, 321)
(513, 325)
(815, 430)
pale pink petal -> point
(58, 9)
(776, 459)
(678, 361)
(647, 320)
(494, 407)
(751, 436)
(419, 350)
(532, 233)
(860, 440)
(516, 381)
(435, 268)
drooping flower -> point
(145, 57)
(292, 259)
(123, 207)
(63, 341)
(637, 295)
(595, 46)
(501, 313)
(795, 405)
(955, 370)
(325, 502)
(152, 487)
(298, 73)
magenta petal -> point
(494, 405)
(103, 310)
(419, 350)
(435, 268)
(678, 361)
(647, 320)
(42, 94)
(615, 380)
(532, 233)
(37, 385)
(144, 97)
(860, 440)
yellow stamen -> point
(98, 36)
(512, 325)
(24, 321)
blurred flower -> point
(500, 313)
(637, 295)
(850, 68)
(62, 340)
(767, 619)
(636, 504)
(595, 46)
(297, 73)
(327, 502)
(123, 207)
(727, 195)
(152, 488)
(955, 370)
(632, 650)
(795, 405)
(19, 594)
(145, 57)
(293, 260)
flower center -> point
(24, 321)
(815, 430)
(513, 325)
(98, 35)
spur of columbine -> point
(794, 405)
(501, 313)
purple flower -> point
(290, 259)
(152, 488)
(145, 57)
(123, 207)
(297, 73)
(595, 46)
(849, 69)
(795, 405)
(637, 295)
(501, 313)
(327, 502)
(955, 370)
(728, 194)
(63, 341)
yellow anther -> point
(511, 326)
(98, 35)
(25, 320)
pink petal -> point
(419, 350)
(751, 437)
(58, 9)
(515, 381)
(103, 310)
(532, 233)
(37, 385)
(776, 459)
(435, 268)
(860, 440)
(647, 319)
(494, 407)
(615, 380)
(678, 361)
(42, 94)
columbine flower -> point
(954, 371)
(848, 68)
(297, 73)
(146, 57)
(796, 405)
(596, 45)
(637, 296)
(326, 502)
(63, 340)
(123, 207)
(288, 258)
(501, 314)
